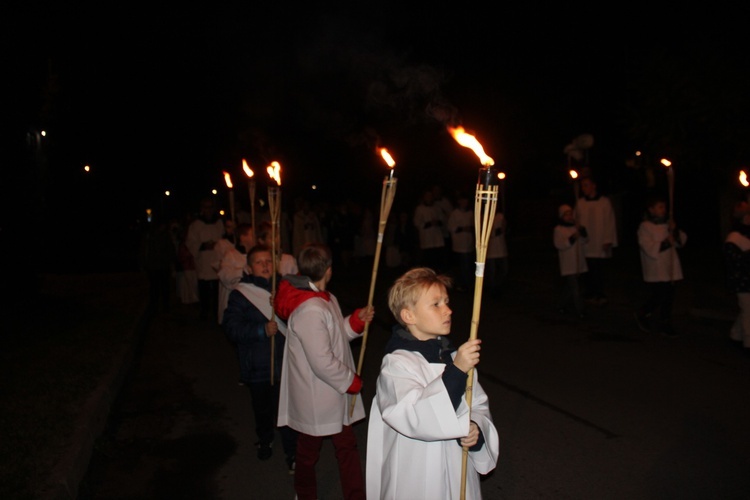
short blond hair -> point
(406, 290)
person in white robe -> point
(419, 420)
(318, 376)
(286, 262)
(596, 213)
(233, 265)
(202, 235)
(658, 240)
(496, 267)
(461, 230)
(568, 238)
(429, 221)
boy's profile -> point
(419, 420)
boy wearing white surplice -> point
(419, 420)
(568, 236)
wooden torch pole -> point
(274, 206)
(485, 205)
(251, 191)
(386, 201)
(670, 183)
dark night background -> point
(166, 98)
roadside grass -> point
(58, 345)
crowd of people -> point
(266, 285)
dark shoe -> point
(643, 323)
(291, 464)
(264, 451)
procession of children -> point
(423, 432)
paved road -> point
(585, 409)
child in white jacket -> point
(658, 239)
(420, 419)
(568, 237)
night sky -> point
(168, 98)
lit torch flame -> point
(469, 141)
(274, 172)
(388, 160)
(501, 175)
(228, 180)
(666, 162)
(387, 157)
(573, 174)
(743, 178)
(247, 169)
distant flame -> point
(743, 178)
(387, 157)
(274, 172)
(228, 180)
(573, 174)
(501, 175)
(666, 162)
(469, 141)
(246, 168)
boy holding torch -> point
(658, 237)
(419, 417)
(318, 377)
(567, 236)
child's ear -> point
(407, 316)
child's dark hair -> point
(314, 260)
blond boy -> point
(419, 420)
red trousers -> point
(347, 456)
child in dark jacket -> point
(250, 324)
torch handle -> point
(386, 201)
(252, 204)
(485, 206)
(274, 206)
(670, 179)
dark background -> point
(159, 98)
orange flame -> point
(387, 157)
(573, 174)
(666, 162)
(274, 172)
(743, 178)
(469, 141)
(228, 180)
(246, 168)
(501, 175)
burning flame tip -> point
(469, 141)
(246, 167)
(274, 171)
(387, 157)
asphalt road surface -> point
(585, 409)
